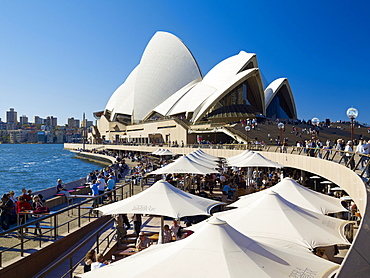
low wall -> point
(29, 266)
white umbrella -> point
(274, 217)
(165, 152)
(183, 165)
(256, 160)
(157, 151)
(297, 194)
(162, 199)
(203, 161)
(240, 157)
(206, 155)
(217, 250)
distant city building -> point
(18, 136)
(32, 137)
(49, 138)
(41, 138)
(11, 119)
(59, 136)
(3, 125)
(72, 122)
(51, 121)
(23, 120)
(38, 120)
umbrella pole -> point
(160, 238)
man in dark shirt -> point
(6, 211)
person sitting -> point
(89, 259)
(6, 211)
(61, 189)
(229, 191)
(142, 242)
(99, 262)
(175, 228)
(167, 234)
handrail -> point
(75, 249)
(20, 247)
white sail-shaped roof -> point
(272, 90)
(166, 66)
(122, 100)
(225, 88)
(220, 77)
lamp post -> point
(315, 122)
(281, 127)
(352, 113)
(247, 129)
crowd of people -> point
(12, 206)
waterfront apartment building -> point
(11, 119)
(23, 120)
(51, 121)
(72, 122)
(38, 120)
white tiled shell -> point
(165, 67)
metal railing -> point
(355, 161)
(98, 242)
(55, 227)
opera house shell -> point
(168, 83)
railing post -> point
(22, 243)
(55, 227)
(97, 242)
(70, 267)
(79, 216)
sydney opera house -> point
(167, 98)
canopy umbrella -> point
(297, 194)
(165, 152)
(206, 155)
(217, 250)
(274, 217)
(183, 165)
(256, 160)
(240, 157)
(157, 151)
(162, 199)
(203, 161)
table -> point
(128, 252)
(155, 237)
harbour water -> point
(38, 166)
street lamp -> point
(247, 129)
(315, 122)
(281, 127)
(352, 113)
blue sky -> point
(63, 58)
